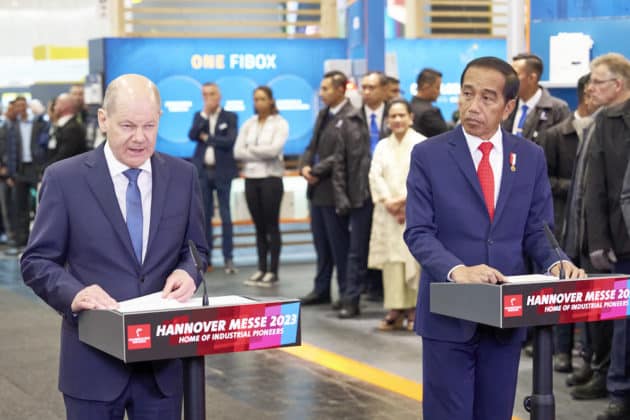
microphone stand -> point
(541, 404)
(194, 367)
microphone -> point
(197, 259)
(554, 244)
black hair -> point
(269, 93)
(510, 89)
(532, 61)
(427, 76)
(581, 86)
(337, 78)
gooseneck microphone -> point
(554, 244)
(197, 259)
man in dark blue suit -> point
(114, 224)
(477, 200)
(214, 129)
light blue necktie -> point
(373, 132)
(521, 122)
(134, 211)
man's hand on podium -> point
(179, 285)
(481, 273)
(570, 270)
(92, 297)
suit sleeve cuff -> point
(448, 276)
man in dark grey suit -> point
(536, 110)
(330, 230)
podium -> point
(540, 305)
(226, 325)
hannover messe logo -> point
(512, 306)
(139, 336)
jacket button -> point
(142, 279)
(490, 242)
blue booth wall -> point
(448, 56)
(291, 68)
(606, 22)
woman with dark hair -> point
(259, 146)
(388, 251)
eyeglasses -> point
(596, 82)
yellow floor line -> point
(358, 370)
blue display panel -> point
(292, 68)
(448, 56)
(547, 10)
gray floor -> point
(266, 384)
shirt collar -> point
(532, 102)
(116, 167)
(334, 110)
(378, 111)
(63, 120)
(214, 114)
(474, 142)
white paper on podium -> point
(155, 302)
(530, 278)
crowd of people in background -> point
(356, 167)
(33, 137)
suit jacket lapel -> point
(100, 182)
(507, 176)
(461, 154)
(161, 176)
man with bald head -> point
(114, 224)
(68, 134)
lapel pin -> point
(513, 162)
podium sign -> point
(189, 332)
(512, 305)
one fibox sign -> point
(218, 330)
(567, 301)
(291, 68)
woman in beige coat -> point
(388, 252)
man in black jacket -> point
(357, 136)
(214, 129)
(560, 143)
(608, 238)
(68, 134)
(428, 119)
(330, 230)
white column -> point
(515, 38)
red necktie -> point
(486, 177)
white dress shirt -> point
(496, 157)
(145, 184)
(531, 104)
(209, 158)
(379, 115)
